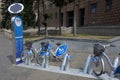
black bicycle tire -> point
(102, 67)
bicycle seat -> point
(46, 46)
(58, 44)
(42, 43)
(28, 44)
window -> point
(93, 8)
(70, 17)
(56, 15)
(61, 19)
(70, 1)
(108, 5)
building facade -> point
(88, 13)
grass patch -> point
(31, 37)
(88, 36)
(79, 36)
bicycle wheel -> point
(98, 68)
(27, 54)
(39, 59)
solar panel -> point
(15, 8)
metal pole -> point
(115, 64)
(13, 41)
(65, 63)
(14, 50)
(87, 64)
(45, 61)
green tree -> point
(75, 13)
(27, 14)
(38, 12)
(45, 17)
(5, 23)
(59, 4)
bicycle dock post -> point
(115, 64)
(28, 61)
(65, 64)
(45, 61)
(87, 64)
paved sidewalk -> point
(10, 72)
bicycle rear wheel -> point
(98, 68)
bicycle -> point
(28, 53)
(60, 51)
(46, 50)
(98, 62)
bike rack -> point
(45, 61)
(27, 61)
(65, 68)
(65, 64)
(87, 64)
(115, 64)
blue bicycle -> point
(28, 53)
(46, 47)
(46, 51)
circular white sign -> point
(18, 22)
(15, 8)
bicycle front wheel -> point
(98, 68)
(25, 55)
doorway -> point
(82, 16)
(70, 17)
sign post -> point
(17, 25)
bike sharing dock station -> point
(64, 67)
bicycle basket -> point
(98, 49)
(28, 45)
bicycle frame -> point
(109, 61)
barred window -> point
(108, 5)
(93, 7)
(70, 1)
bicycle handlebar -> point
(108, 45)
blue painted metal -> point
(117, 71)
(45, 50)
(50, 46)
(94, 59)
(18, 36)
(61, 50)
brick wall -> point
(102, 16)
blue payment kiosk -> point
(17, 25)
(18, 37)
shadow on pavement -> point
(10, 57)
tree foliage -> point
(59, 4)
(27, 14)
